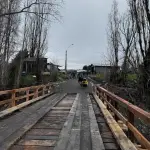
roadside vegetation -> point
(24, 28)
(129, 47)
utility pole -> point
(66, 55)
(66, 61)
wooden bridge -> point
(42, 118)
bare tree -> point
(114, 36)
(9, 27)
(141, 16)
(127, 37)
(51, 4)
(36, 16)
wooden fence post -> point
(116, 107)
(13, 96)
(36, 93)
(43, 90)
(27, 93)
(49, 88)
(131, 120)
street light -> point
(66, 57)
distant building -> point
(103, 68)
(30, 65)
(53, 67)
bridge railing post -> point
(27, 93)
(13, 97)
(43, 92)
(131, 120)
(36, 92)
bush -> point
(131, 77)
(100, 76)
(27, 80)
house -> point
(103, 69)
(52, 67)
(30, 65)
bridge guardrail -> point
(114, 102)
(17, 96)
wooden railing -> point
(127, 113)
(10, 98)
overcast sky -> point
(83, 24)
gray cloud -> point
(84, 24)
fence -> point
(127, 113)
(10, 98)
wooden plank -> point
(97, 142)
(22, 147)
(37, 142)
(5, 102)
(119, 115)
(111, 146)
(74, 140)
(65, 133)
(20, 97)
(5, 92)
(12, 109)
(61, 108)
(138, 112)
(11, 124)
(29, 123)
(122, 140)
(142, 140)
(43, 132)
(39, 137)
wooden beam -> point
(141, 139)
(5, 102)
(122, 140)
(12, 109)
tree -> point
(113, 35)
(141, 16)
(32, 36)
(8, 35)
(127, 36)
(85, 67)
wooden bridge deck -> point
(59, 122)
(76, 120)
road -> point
(72, 86)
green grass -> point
(100, 76)
(131, 77)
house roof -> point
(53, 64)
(104, 65)
(33, 58)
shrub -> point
(131, 77)
(27, 80)
(100, 76)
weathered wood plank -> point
(39, 137)
(61, 108)
(5, 102)
(22, 147)
(122, 140)
(74, 140)
(138, 112)
(65, 133)
(20, 130)
(12, 109)
(37, 142)
(139, 136)
(43, 132)
(97, 142)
